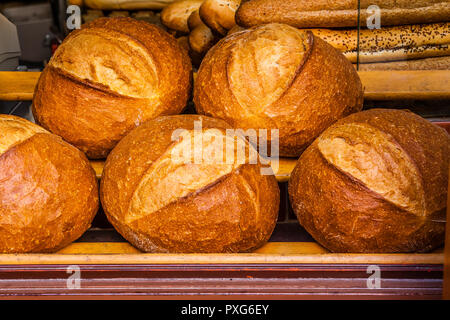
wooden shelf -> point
(379, 85)
(241, 258)
(270, 253)
(285, 167)
(398, 85)
(17, 85)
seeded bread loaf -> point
(390, 43)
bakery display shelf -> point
(290, 265)
(379, 85)
(280, 269)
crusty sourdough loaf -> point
(175, 16)
(108, 78)
(219, 15)
(48, 190)
(340, 13)
(162, 204)
(277, 77)
(390, 43)
(375, 181)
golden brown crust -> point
(342, 13)
(248, 81)
(48, 194)
(219, 14)
(109, 77)
(15, 130)
(343, 212)
(175, 16)
(235, 213)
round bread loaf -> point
(162, 204)
(48, 190)
(108, 78)
(277, 77)
(375, 181)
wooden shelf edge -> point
(212, 259)
(272, 253)
(379, 85)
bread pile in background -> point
(371, 181)
(403, 42)
(414, 35)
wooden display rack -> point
(277, 270)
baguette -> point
(340, 13)
(391, 43)
(435, 63)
